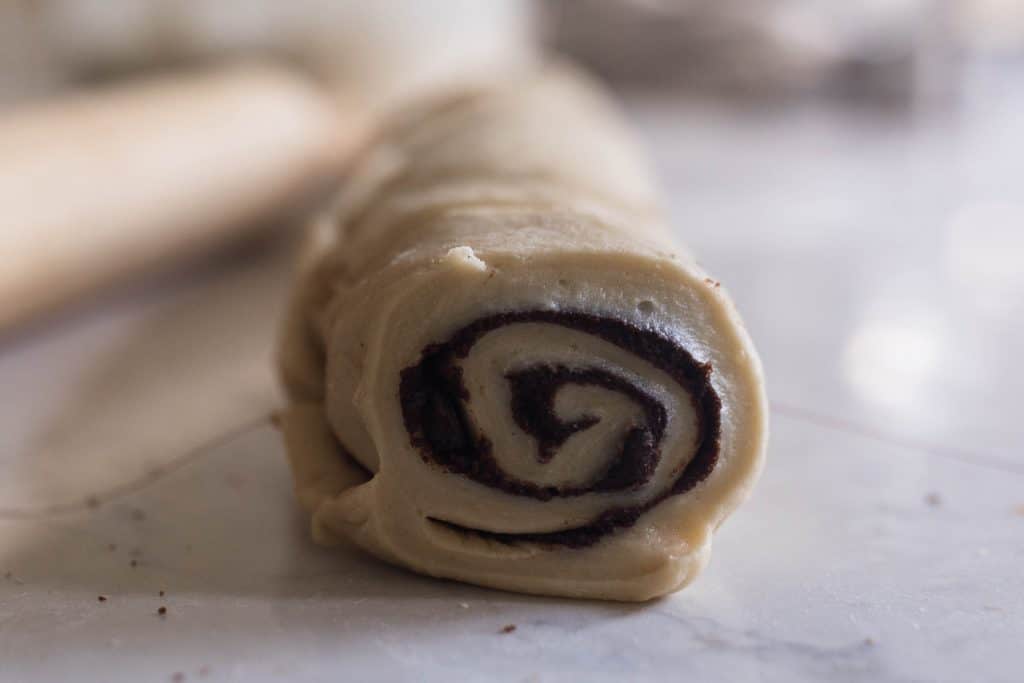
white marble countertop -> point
(878, 262)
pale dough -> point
(502, 367)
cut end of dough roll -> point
(525, 382)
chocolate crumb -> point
(162, 611)
(101, 598)
(92, 502)
(177, 677)
(508, 628)
(933, 499)
(134, 563)
(276, 421)
(161, 594)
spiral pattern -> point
(434, 400)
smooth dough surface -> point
(502, 367)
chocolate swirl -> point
(433, 398)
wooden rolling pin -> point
(96, 187)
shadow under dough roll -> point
(503, 368)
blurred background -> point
(876, 49)
(145, 90)
(853, 172)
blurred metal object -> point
(892, 51)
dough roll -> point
(502, 367)
(101, 186)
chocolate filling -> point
(533, 408)
(433, 395)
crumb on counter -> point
(162, 611)
(101, 598)
(933, 499)
(508, 628)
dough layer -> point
(503, 369)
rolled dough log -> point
(504, 369)
(99, 186)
